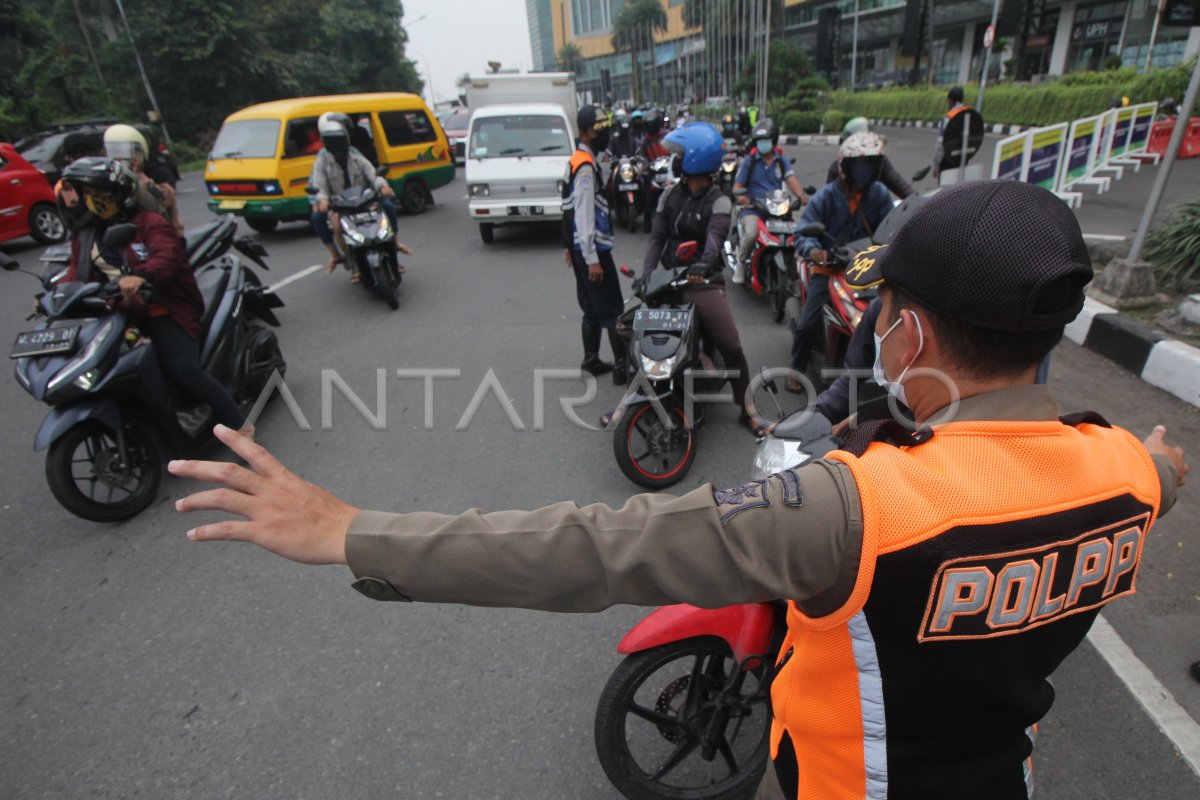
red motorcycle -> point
(771, 268)
(686, 715)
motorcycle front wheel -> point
(390, 285)
(88, 477)
(683, 721)
(655, 452)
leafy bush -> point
(833, 121)
(801, 122)
(1174, 247)
(1073, 96)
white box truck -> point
(521, 137)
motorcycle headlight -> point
(779, 208)
(847, 301)
(351, 232)
(385, 229)
(75, 364)
(627, 174)
(659, 370)
(728, 166)
(776, 455)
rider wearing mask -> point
(336, 167)
(731, 132)
(764, 170)
(850, 208)
(621, 144)
(696, 210)
(126, 144)
(172, 317)
(889, 177)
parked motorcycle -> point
(115, 419)
(772, 262)
(654, 432)
(627, 194)
(370, 239)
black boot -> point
(591, 351)
(620, 362)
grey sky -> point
(458, 36)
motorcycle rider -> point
(621, 144)
(731, 132)
(172, 317)
(336, 167)
(651, 148)
(889, 177)
(587, 239)
(695, 209)
(764, 170)
(126, 144)
(850, 208)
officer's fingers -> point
(225, 530)
(257, 456)
(226, 500)
(233, 476)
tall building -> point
(541, 34)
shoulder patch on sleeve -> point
(731, 502)
(793, 495)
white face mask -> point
(895, 388)
(764, 146)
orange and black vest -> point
(987, 552)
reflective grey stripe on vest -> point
(870, 693)
(1031, 732)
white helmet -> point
(125, 143)
(858, 145)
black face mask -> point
(862, 173)
(599, 140)
(338, 147)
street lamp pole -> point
(987, 57)
(145, 81)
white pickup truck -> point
(521, 138)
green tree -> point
(788, 66)
(633, 32)
(569, 57)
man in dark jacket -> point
(156, 257)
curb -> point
(1006, 130)
(1171, 365)
(812, 138)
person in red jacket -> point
(154, 259)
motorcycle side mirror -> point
(310, 189)
(118, 237)
(810, 190)
(812, 230)
(626, 270)
(381, 170)
(8, 263)
(920, 174)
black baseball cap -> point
(955, 95)
(997, 254)
(589, 117)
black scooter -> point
(370, 239)
(115, 419)
(654, 426)
(627, 192)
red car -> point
(26, 201)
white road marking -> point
(275, 287)
(1170, 717)
(1105, 237)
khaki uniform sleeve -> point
(1167, 477)
(794, 535)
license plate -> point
(525, 211)
(628, 187)
(780, 226)
(231, 205)
(661, 319)
(44, 342)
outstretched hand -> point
(283, 513)
(1156, 444)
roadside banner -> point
(1123, 127)
(1143, 120)
(1047, 149)
(1105, 140)
(1012, 158)
(1081, 149)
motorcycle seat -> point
(212, 281)
(194, 237)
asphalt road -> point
(138, 664)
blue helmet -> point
(700, 146)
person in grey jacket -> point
(337, 166)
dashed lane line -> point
(1162, 707)
(275, 287)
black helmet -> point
(654, 121)
(104, 175)
(766, 129)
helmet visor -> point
(338, 144)
(125, 151)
